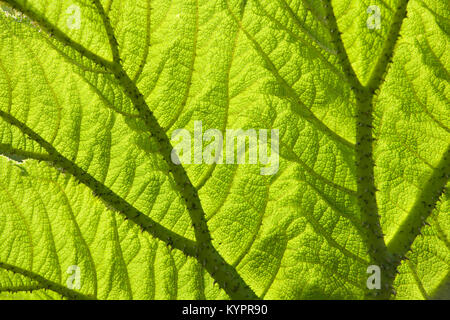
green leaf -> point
(92, 206)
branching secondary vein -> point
(46, 284)
(365, 163)
(203, 250)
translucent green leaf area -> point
(93, 207)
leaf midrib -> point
(203, 249)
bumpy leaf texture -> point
(91, 92)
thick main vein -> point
(226, 276)
(203, 250)
(102, 191)
(366, 190)
(59, 35)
